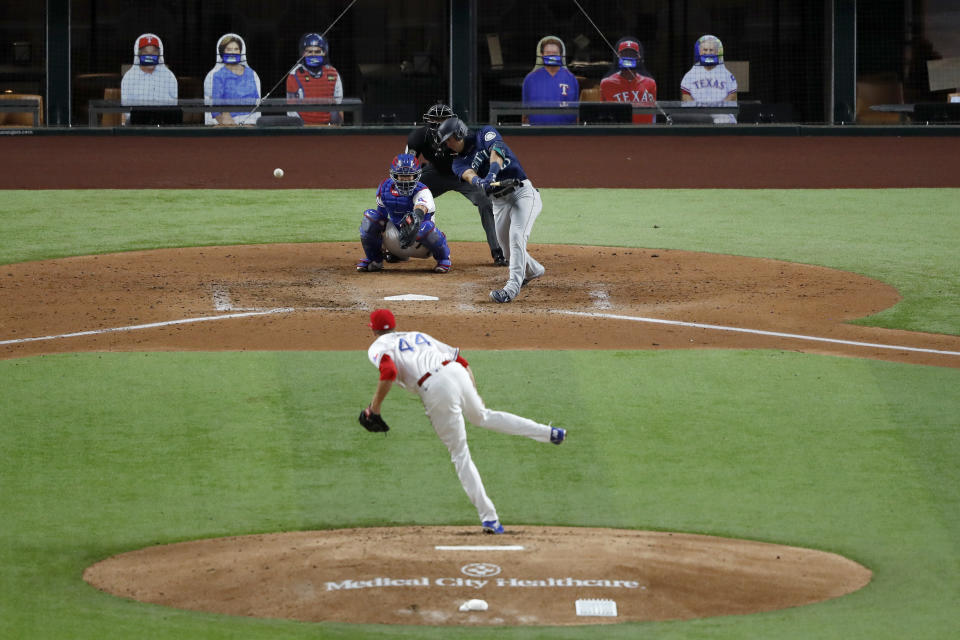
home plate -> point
(411, 296)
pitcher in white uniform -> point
(442, 378)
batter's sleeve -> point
(460, 165)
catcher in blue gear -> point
(403, 221)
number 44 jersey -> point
(413, 352)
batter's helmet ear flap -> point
(452, 127)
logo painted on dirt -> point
(480, 570)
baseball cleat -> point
(498, 258)
(557, 435)
(500, 295)
(492, 526)
(527, 281)
(443, 266)
(369, 265)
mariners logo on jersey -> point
(476, 155)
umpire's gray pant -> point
(514, 215)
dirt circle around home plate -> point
(309, 297)
(528, 576)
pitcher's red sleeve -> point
(388, 370)
(462, 361)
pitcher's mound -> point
(529, 576)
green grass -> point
(127, 450)
(904, 237)
(104, 453)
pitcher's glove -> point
(372, 422)
(409, 227)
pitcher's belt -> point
(424, 377)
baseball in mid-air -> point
(278, 173)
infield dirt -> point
(152, 300)
(399, 576)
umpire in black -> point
(439, 178)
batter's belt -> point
(505, 192)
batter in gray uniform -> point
(438, 173)
(515, 209)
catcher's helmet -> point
(405, 171)
(314, 40)
(709, 59)
(453, 126)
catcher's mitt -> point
(409, 228)
(372, 422)
(503, 187)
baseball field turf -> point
(109, 452)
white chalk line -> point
(759, 332)
(611, 316)
(152, 325)
(479, 547)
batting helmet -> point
(314, 40)
(405, 171)
(708, 59)
(453, 126)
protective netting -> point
(392, 59)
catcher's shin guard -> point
(434, 240)
(371, 235)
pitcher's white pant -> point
(448, 395)
(513, 216)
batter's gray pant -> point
(514, 215)
(439, 183)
